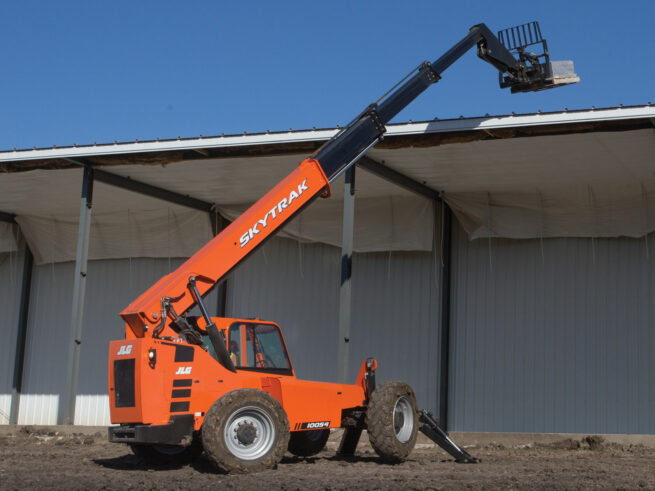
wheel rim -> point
(403, 419)
(249, 433)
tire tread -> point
(217, 416)
(379, 420)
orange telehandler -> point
(180, 384)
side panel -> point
(318, 402)
(11, 272)
(396, 319)
(553, 336)
(48, 327)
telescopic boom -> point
(159, 311)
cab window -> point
(258, 347)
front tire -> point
(392, 421)
(246, 430)
(308, 443)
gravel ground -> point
(44, 458)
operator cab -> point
(254, 345)
(258, 347)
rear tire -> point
(168, 455)
(392, 421)
(246, 430)
(308, 443)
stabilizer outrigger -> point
(430, 427)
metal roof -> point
(568, 173)
(488, 123)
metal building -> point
(502, 264)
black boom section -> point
(365, 130)
(341, 151)
(337, 153)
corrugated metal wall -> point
(111, 285)
(394, 304)
(553, 336)
(44, 371)
(11, 274)
(297, 286)
(395, 319)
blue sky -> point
(79, 72)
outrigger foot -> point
(430, 427)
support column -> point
(218, 225)
(444, 323)
(21, 335)
(67, 410)
(343, 349)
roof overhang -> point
(299, 141)
(570, 173)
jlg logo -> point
(273, 212)
(126, 349)
(183, 371)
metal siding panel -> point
(651, 349)
(111, 285)
(552, 336)
(396, 318)
(458, 336)
(11, 273)
(297, 286)
(38, 409)
(46, 345)
(92, 410)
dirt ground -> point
(45, 458)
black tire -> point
(392, 421)
(168, 455)
(258, 430)
(308, 443)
